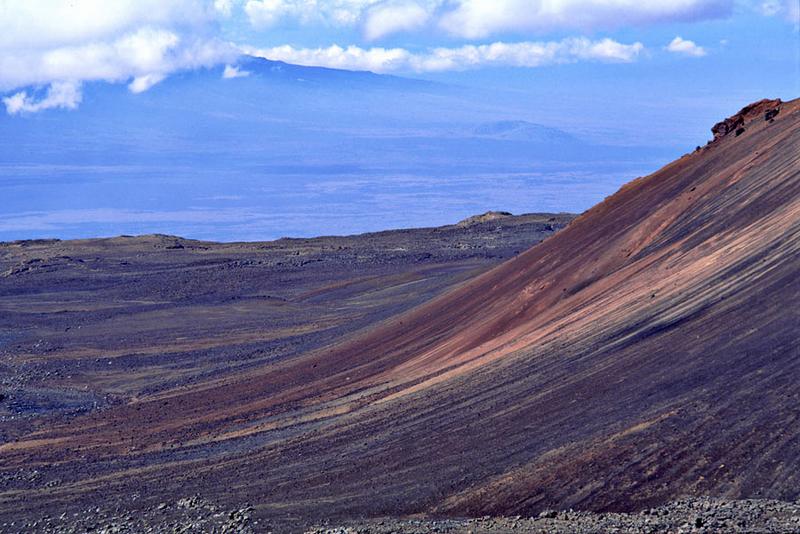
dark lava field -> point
(88, 324)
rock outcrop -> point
(765, 110)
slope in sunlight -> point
(649, 350)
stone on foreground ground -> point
(685, 516)
(196, 514)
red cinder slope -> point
(648, 351)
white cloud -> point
(146, 52)
(60, 44)
(141, 84)
(56, 44)
(392, 17)
(233, 71)
(224, 7)
(680, 45)
(263, 13)
(352, 58)
(53, 23)
(524, 54)
(59, 95)
(481, 18)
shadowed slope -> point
(648, 351)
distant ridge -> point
(485, 217)
(523, 131)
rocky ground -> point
(88, 324)
(686, 516)
(186, 515)
(77, 315)
(195, 514)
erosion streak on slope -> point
(649, 350)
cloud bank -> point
(482, 18)
(524, 54)
(59, 44)
(392, 17)
(474, 19)
(55, 46)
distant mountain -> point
(275, 148)
(257, 67)
(268, 115)
(523, 131)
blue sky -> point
(140, 116)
